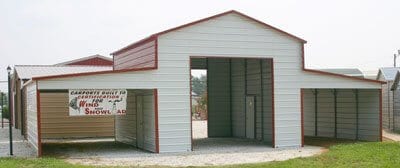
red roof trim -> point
(203, 20)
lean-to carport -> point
(138, 127)
(342, 113)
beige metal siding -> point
(56, 122)
(31, 110)
(125, 125)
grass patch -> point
(10, 162)
(363, 154)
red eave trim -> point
(94, 73)
(155, 36)
(333, 74)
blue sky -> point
(340, 34)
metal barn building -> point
(388, 75)
(258, 88)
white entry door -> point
(139, 122)
(250, 117)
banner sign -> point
(94, 102)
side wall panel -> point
(149, 122)
(238, 98)
(125, 125)
(219, 106)
(369, 128)
(267, 99)
(56, 122)
(346, 121)
(253, 87)
(346, 114)
(31, 110)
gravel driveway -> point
(21, 147)
(207, 151)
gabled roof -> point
(345, 71)
(71, 62)
(396, 81)
(27, 72)
(154, 36)
(388, 73)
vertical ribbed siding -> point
(219, 106)
(125, 125)
(31, 111)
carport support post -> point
(335, 108)
(316, 112)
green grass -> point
(361, 154)
(36, 163)
(364, 154)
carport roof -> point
(27, 72)
(389, 73)
(355, 72)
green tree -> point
(199, 84)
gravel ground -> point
(207, 151)
(391, 135)
(21, 147)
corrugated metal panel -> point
(309, 112)
(326, 115)
(368, 114)
(56, 122)
(125, 125)
(139, 57)
(253, 87)
(30, 71)
(219, 106)
(31, 110)
(238, 98)
(267, 99)
(396, 110)
(346, 114)
(149, 122)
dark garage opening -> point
(239, 100)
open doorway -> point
(239, 102)
(199, 103)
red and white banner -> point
(93, 102)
